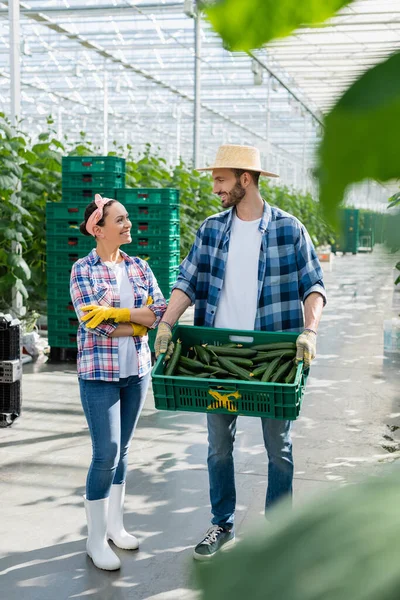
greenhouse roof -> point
(142, 54)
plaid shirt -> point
(92, 282)
(288, 270)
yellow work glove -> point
(98, 314)
(139, 330)
(306, 345)
(163, 344)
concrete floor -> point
(348, 428)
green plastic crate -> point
(142, 196)
(163, 228)
(63, 227)
(272, 400)
(365, 240)
(73, 196)
(161, 262)
(151, 212)
(58, 211)
(67, 323)
(58, 293)
(61, 339)
(62, 261)
(69, 243)
(61, 308)
(99, 181)
(93, 164)
(153, 243)
(82, 245)
(60, 276)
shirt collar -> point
(265, 219)
(94, 258)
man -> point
(251, 267)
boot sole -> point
(123, 547)
(103, 568)
(205, 557)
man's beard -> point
(235, 195)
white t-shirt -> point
(237, 305)
(127, 354)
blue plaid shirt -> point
(288, 270)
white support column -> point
(17, 301)
(15, 69)
(178, 132)
(60, 123)
(105, 112)
(197, 88)
(268, 120)
(303, 162)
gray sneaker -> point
(215, 538)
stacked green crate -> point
(82, 178)
(348, 239)
(154, 214)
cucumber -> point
(275, 353)
(275, 346)
(271, 369)
(202, 355)
(292, 375)
(282, 371)
(234, 369)
(182, 371)
(191, 364)
(203, 375)
(260, 369)
(242, 362)
(215, 369)
(260, 358)
(173, 361)
(241, 352)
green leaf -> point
(39, 148)
(12, 234)
(362, 134)
(19, 286)
(8, 182)
(17, 262)
(248, 24)
(7, 129)
(341, 546)
(44, 136)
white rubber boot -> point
(115, 527)
(97, 546)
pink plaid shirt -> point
(92, 282)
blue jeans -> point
(221, 436)
(112, 409)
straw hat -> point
(238, 157)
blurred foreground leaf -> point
(345, 546)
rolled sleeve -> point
(159, 305)
(309, 269)
(189, 268)
(82, 295)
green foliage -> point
(361, 134)
(250, 24)
(302, 206)
(341, 547)
(32, 172)
(15, 226)
(363, 128)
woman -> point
(116, 299)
